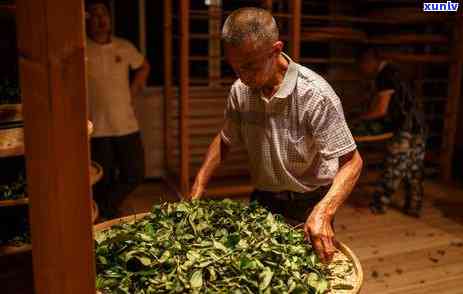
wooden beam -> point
(168, 85)
(184, 97)
(452, 107)
(295, 29)
(52, 75)
(142, 25)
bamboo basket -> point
(11, 113)
(12, 141)
(343, 248)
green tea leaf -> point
(265, 278)
(196, 280)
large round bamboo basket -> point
(11, 112)
(343, 248)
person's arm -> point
(380, 105)
(139, 79)
(318, 225)
(215, 155)
(335, 143)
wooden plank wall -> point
(205, 121)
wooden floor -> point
(399, 254)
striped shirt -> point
(294, 138)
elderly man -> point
(301, 151)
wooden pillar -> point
(268, 5)
(295, 29)
(142, 25)
(51, 42)
(451, 112)
(184, 97)
(168, 97)
(215, 54)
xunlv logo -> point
(441, 6)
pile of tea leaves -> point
(207, 246)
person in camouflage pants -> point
(394, 102)
(403, 163)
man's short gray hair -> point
(254, 24)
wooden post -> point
(268, 5)
(451, 112)
(51, 42)
(214, 62)
(184, 97)
(295, 29)
(168, 56)
(142, 25)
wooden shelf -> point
(198, 36)
(373, 138)
(415, 58)
(10, 113)
(332, 34)
(401, 19)
(12, 141)
(409, 15)
(327, 60)
(15, 202)
(408, 39)
(6, 250)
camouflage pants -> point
(404, 163)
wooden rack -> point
(194, 113)
(16, 148)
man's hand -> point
(197, 192)
(319, 230)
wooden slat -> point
(398, 39)
(415, 58)
(327, 60)
(52, 75)
(21, 201)
(295, 29)
(215, 22)
(6, 250)
(184, 96)
(168, 84)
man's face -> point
(253, 66)
(98, 21)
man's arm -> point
(318, 225)
(215, 155)
(139, 79)
(380, 105)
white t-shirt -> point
(109, 99)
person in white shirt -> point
(116, 143)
